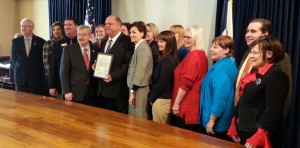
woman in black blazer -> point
(162, 77)
(259, 113)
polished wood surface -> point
(28, 120)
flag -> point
(90, 15)
(227, 24)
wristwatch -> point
(132, 91)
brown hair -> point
(225, 41)
(57, 23)
(269, 43)
(171, 45)
(266, 25)
(140, 25)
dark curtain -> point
(285, 17)
(60, 9)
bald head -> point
(113, 25)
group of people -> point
(163, 76)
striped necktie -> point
(109, 46)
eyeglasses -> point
(187, 37)
(83, 34)
(25, 26)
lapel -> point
(93, 54)
(22, 50)
(116, 44)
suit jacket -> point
(286, 66)
(262, 103)
(28, 69)
(74, 75)
(122, 52)
(141, 66)
(55, 58)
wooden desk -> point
(28, 120)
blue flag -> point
(90, 15)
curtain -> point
(60, 9)
(285, 17)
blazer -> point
(286, 66)
(27, 69)
(141, 66)
(55, 58)
(74, 75)
(122, 52)
(162, 79)
(262, 103)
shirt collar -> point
(115, 37)
(137, 44)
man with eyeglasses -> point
(78, 83)
(70, 27)
(26, 60)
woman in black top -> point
(162, 77)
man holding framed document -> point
(113, 61)
(103, 64)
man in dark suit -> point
(114, 90)
(70, 27)
(75, 71)
(27, 60)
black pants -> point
(39, 90)
(179, 122)
(220, 135)
(118, 105)
(89, 98)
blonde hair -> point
(198, 38)
(180, 31)
(153, 29)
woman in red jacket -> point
(188, 76)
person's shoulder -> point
(38, 38)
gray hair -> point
(27, 20)
(81, 27)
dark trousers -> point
(119, 105)
(39, 90)
(47, 86)
(179, 122)
(220, 135)
(89, 98)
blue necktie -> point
(108, 47)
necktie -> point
(108, 47)
(27, 46)
(238, 83)
(86, 58)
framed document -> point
(103, 65)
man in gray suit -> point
(75, 70)
(114, 92)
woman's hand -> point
(210, 127)
(175, 109)
(131, 100)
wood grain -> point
(28, 120)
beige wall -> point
(165, 13)
(9, 16)
(12, 11)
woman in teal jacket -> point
(217, 90)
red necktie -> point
(86, 58)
